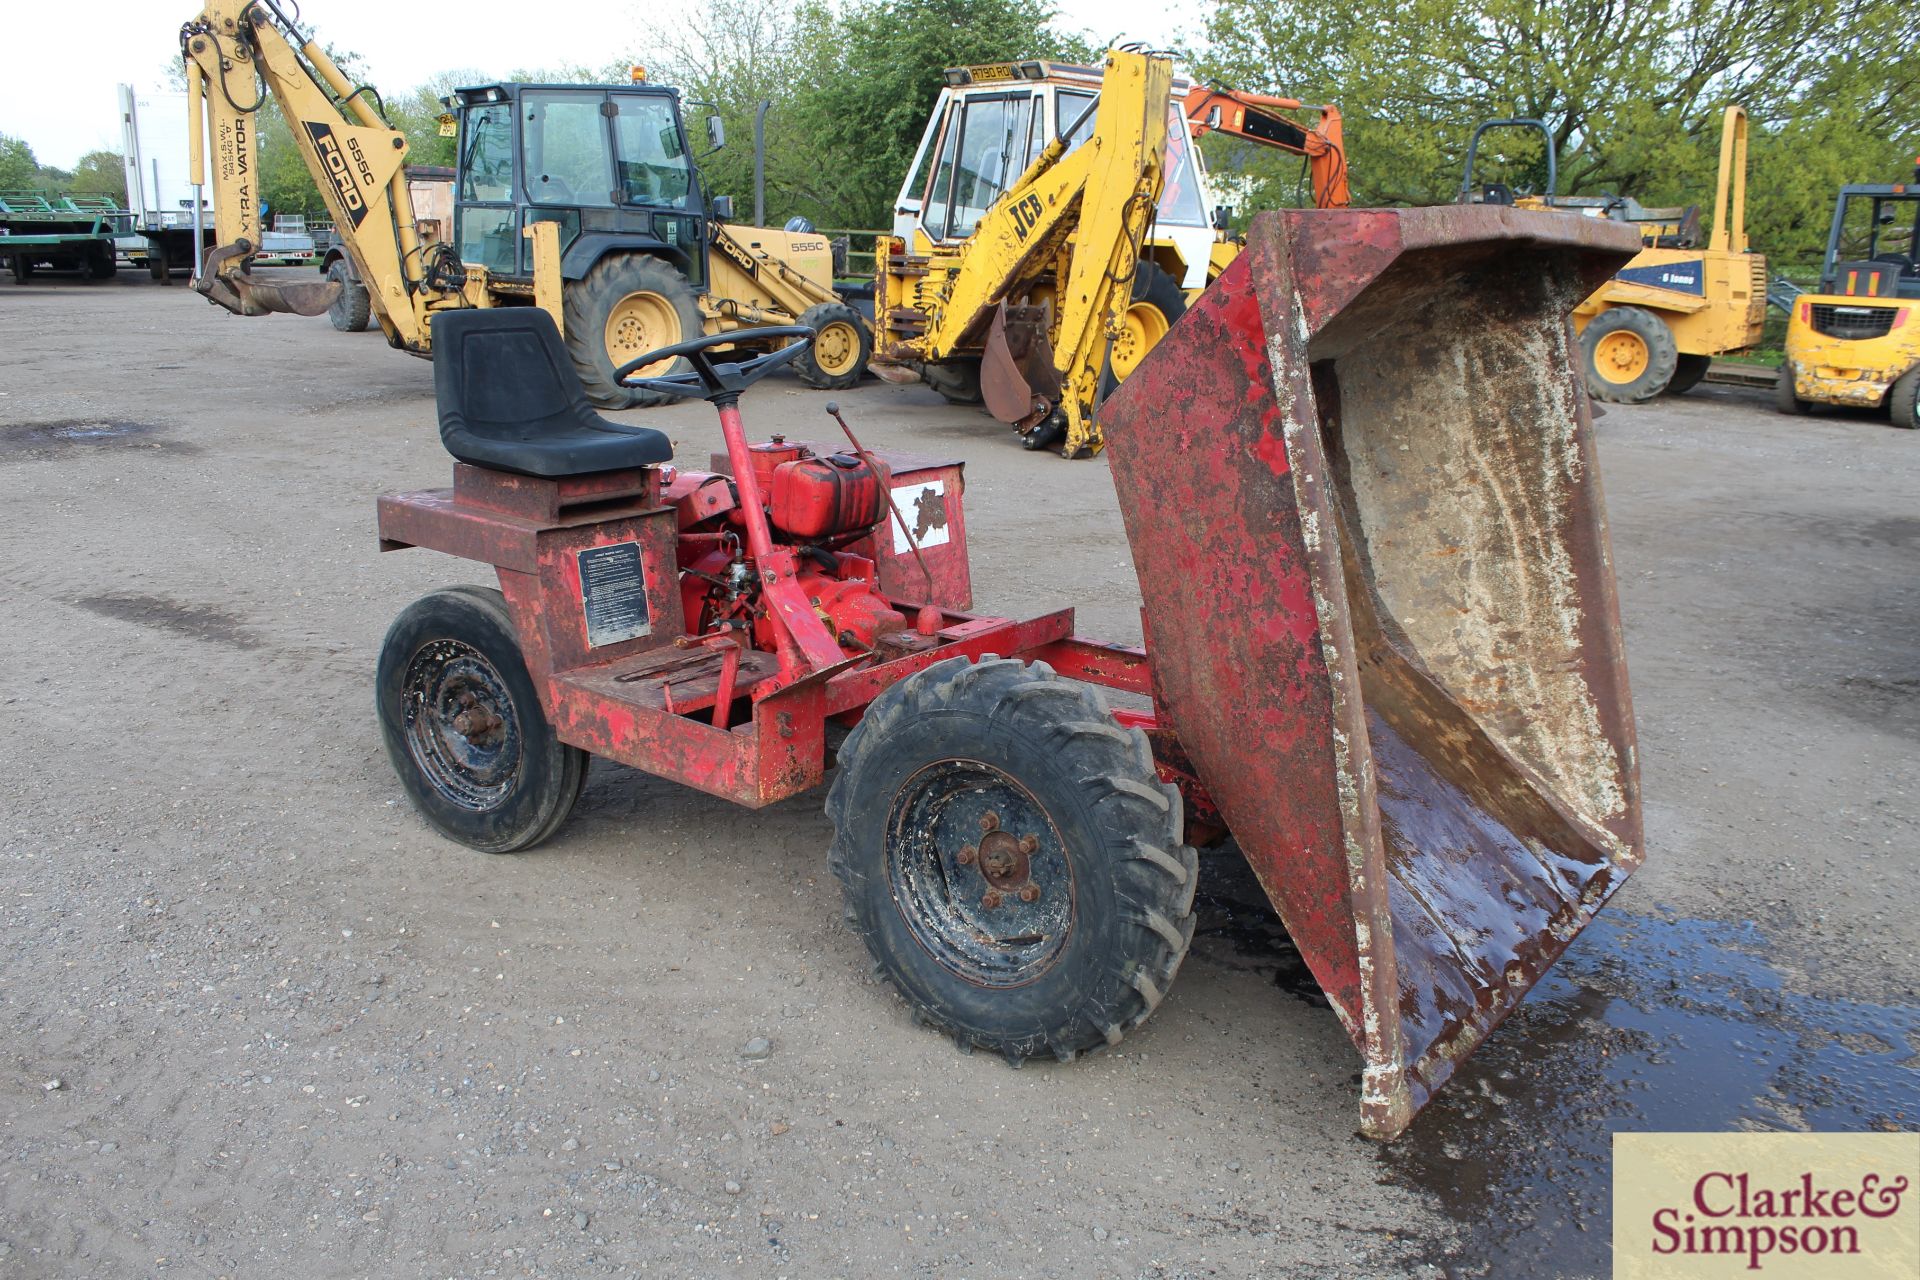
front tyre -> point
(351, 308)
(1903, 402)
(842, 345)
(463, 726)
(1154, 306)
(1786, 396)
(1011, 858)
(1630, 355)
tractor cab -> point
(989, 124)
(611, 164)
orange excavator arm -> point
(1255, 117)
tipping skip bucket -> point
(1360, 486)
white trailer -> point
(154, 143)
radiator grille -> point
(1852, 323)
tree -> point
(17, 165)
(868, 77)
(100, 173)
(1631, 91)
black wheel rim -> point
(460, 725)
(979, 873)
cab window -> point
(486, 164)
(565, 138)
(650, 152)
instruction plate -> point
(613, 593)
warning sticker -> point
(613, 593)
(923, 505)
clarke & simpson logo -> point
(1780, 1205)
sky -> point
(65, 107)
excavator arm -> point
(1045, 278)
(239, 51)
(1255, 118)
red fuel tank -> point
(822, 497)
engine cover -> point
(826, 497)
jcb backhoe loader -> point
(1020, 296)
(1657, 325)
(582, 199)
(989, 126)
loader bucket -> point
(1360, 486)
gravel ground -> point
(259, 1020)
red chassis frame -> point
(660, 702)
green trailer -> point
(40, 231)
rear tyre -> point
(842, 345)
(1785, 397)
(1687, 372)
(627, 305)
(1903, 402)
(353, 308)
(1155, 305)
(157, 269)
(100, 264)
(1630, 356)
(463, 727)
(22, 269)
(957, 381)
(1011, 858)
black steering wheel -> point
(718, 381)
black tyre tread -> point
(957, 381)
(574, 761)
(1662, 355)
(818, 317)
(587, 302)
(353, 309)
(1903, 402)
(1157, 871)
(1785, 399)
(1688, 370)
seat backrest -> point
(503, 372)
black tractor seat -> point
(510, 400)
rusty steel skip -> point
(1360, 487)
(1383, 650)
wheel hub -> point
(1004, 859)
(459, 726)
(637, 324)
(1620, 357)
(979, 873)
(834, 348)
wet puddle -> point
(1648, 1023)
(46, 438)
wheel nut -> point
(1029, 843)
(989, 822)
(1029, 893)
(967, 855)
(991, 900)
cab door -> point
(983, 144)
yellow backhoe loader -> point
(989, 126)
(582, 199)
(1018, 299)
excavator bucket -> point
(1360, 485)
(244, 295)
